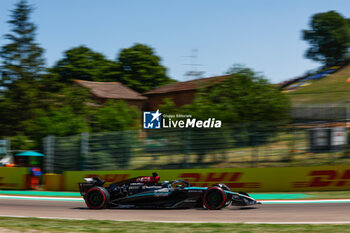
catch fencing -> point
(244, 145)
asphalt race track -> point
(269, 213)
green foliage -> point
(22, 56)
(68, 149)
(114, 150)
(245, 103)
(77, 98)
(250, 108)
(10, 224)
(204, 141)
(115, 116)
(34, 104)
(60, 122)
(22, 142)
(329, 38)
(84, 64)
(71, 114)
(141, 69)
(22, 66)
(137, 67)
(243, 97)
(100, 160)
(168, 106)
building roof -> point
(110, 90)
(187, 85)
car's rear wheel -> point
(97, 198)
(214, 198)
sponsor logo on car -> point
(161, 192)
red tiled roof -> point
(186, 86)
(110, 90)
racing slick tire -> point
(226, 188)
(97, 198)
(214, 198)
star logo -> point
(156, 115)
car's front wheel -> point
(97, 198)
(214, 198)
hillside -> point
(328, 90)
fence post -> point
(255, 148)
(291, 144)
(84, 150)
(187, 147)
(49, 150)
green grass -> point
(331, 89)
(53, 225)
(284, 149)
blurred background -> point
(84, 111)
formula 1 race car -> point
(148, 192)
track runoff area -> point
(272, 211)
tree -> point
(59, 122)
(84, 64)
(243, 97)
(22, 66)
(22, 57)
(115, 116)
(141, 69)
(250, 108)
(67, 113)
(329, 38)
(77, 98)
(245, 102)
(137, 67)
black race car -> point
(148, 192)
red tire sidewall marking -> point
(104, 198)
(223, 198)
